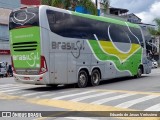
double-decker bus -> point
(53, 46)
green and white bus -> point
(53, 46)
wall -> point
(10, 4)
(30, 2)
(5, 8)
(4, 33)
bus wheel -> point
(95, 77)
(139, 73)
(82, 79)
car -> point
(154, 64)
(3, 69)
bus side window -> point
(52, 21)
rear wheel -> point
(82, 79)
(139, 73)
(95, 77)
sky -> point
(147, 10)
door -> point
(52, 68)
(71, 69)
(61, 68)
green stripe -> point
(106, 19)
(131, 64)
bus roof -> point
(99, 18)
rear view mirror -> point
(142, 44)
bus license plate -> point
(26, 78)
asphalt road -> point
(124, 94)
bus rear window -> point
(24, 18)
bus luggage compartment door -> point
(52, 68)
(61, 68)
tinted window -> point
(24, 17)
(147, 35)
(137, 33)
(71, 26)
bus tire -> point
(139, 73)
(95, 77)
(82, 79)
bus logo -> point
(78, 46)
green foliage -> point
(46, 2)
(71, 4)
(157, 30)
(106, 4)
(89, 5)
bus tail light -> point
(43, 67)
(14, 71)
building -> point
(5, 8)
(30, 2)
(112, 11)
(132, 18)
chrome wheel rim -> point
(95, 78)
(82, 79)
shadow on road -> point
(115, 80)
(47, 88)
(73, 86)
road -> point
(124, 94)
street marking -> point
(5, 88)
(30, 94)
(71, 95)
(90, 96)
(135, 101)
(9, 90)
(76, 106)
(14, 93)
(5, 85)
(153, 108)
(101, 101)
(15, 86)
(129, 92)
(51, 94)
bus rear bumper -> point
(30, 79)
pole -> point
(96, 3)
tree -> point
(156, 32)
(71, 4)
(105, 4)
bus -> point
(52, 46)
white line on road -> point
(99, 102)
(71, 95)
(135, 101)
(30, 94)
(153, 108)
(9, 90)
(90, 96)
(51, 94)
(14, 93)
(12, 87)
(5, 85)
